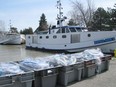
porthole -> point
(54, 36)
(65, 45)
(40, 37)
(47, 37)
(63, 36)
(89, 35)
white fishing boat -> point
(69, 38)
(11, 38)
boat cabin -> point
(70, 29)
(64, 29)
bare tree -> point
(83, 14)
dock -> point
(106, 79)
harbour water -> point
(18, 52)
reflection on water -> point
(18, 52)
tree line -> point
(42, 26)
(94, 19)
(26, 31)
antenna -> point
(10, 24)
(60, 15)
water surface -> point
(18, 52)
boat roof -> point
(72, 27)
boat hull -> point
(73, 42)
(106, 48)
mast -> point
(60, 14)
(10, 24)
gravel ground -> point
(106, 79)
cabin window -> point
(54, 36)
(72, 29)
(40, 37)
(78, 29)
(89, 35)
(58, 31)
(47, 37)
(67, 30)
(63, 30)
(63, 36)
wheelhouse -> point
(67, 29)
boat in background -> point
(69, 38)
(12, 38)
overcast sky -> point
(26, 13)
